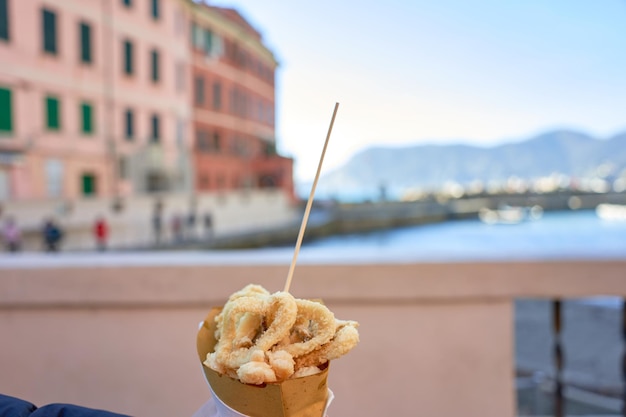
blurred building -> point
(233, 105)
(104, 98)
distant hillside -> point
(430, 166)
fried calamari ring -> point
(264, 338)
(250, 290)
(345, 338)
(281, 306)
(318, 321)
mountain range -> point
(567, 152)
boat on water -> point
(510, 214)
(613, 212)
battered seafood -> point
(265, 337)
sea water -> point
(555, 236)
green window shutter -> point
(87, 117)
(155, 9)
(85, 42)
(217, 96)
(130, 128)
(155, 136)
(53, 113)
(199, 90)
(208, 41)
(128, 57)
(6, 111)
(154, 58)
(49, 31)
(4, 20)
(88, 184)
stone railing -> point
(118, 331)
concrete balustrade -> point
(436, 339)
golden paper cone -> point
(299, 397)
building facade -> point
(98, 99)
(233, 103)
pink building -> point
(94, 98)
(102, 98)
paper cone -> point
(299, 397)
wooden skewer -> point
(309, 203)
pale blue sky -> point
(440, 71)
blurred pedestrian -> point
(191, 225)
(177, 228)
(157, 222)
(52, 235)
(101, 233)
(208, 225)
(11, 235)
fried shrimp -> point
(264, 338)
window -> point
(88, 184)
(5, 189)
(4, 20)
(259, 111)
(202, 141)
(86, 111)
(154, 129)
(208, 42)
(122, 167)
(155, 9)
(85, 43)
(155, 182)
(49, 31)
(129, 120)
(180, 133)
(196, 36)
(180, 77)
(199, 90)
(154, 63)
(6, 111)
(217, 96)
(204, 181)
(54, 177)
(217, 142)
(128, 57)
(53, 113)
(127, 3)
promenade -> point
(132, 223)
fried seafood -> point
(263, 337)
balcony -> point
(117, 331)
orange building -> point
(233, 104)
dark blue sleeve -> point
(69, 410)
(14, 407)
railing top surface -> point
(210, 277)
(281, 256)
